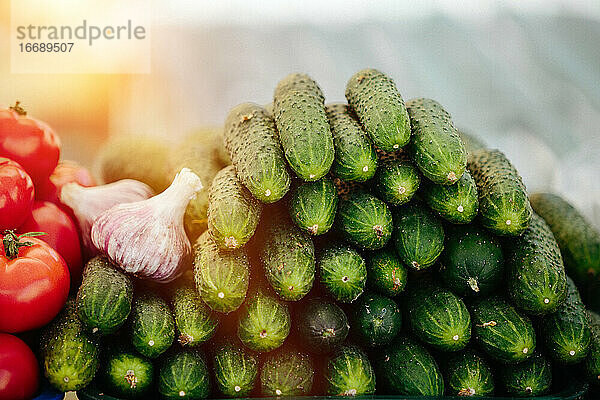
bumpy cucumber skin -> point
(532, 377)
(355, 157)
(566, 332)
(385, 272)
(578, 240)
(286, 373)
(501, 331)
(435, 145)
(468, 374)
(313, 206)
(503, 204)
(591, 364)
(304, 133)
(264, 323)
(184, 375)
(438, 317)
(233, 213)
(343, 272)
(253, 145)
(380, 108)
(152, 325)
(456, 203)
(128, 375)
(194, 321)
(405, 367)
(377, 320)
(537, 283)
(221, 276)
(322, 326)
(104, 297)
(365, 221)
(235, 370)
(418, 235)
(396, 180)
(472, 262)
(472, 143)
(349, 373)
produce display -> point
(346, 249)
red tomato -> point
(19, 372)
(30, 142)
(65, 172)
(61, 233)
(16, 194)
(34, 283)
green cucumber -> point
(376, 320)
(349, 373)
(104, 297)
(472, 261)
(418, 235)
(304, 133)
(577, 238)
(286, 373)
(501, 331)
(472, 143)
(532, 377)
(468, 374)
(591, 365)
(438, 317)
(233, 213)
(235, 370)
(184, 375)
(127, 374)
(194, 321)
(152, 326)
(264, 323)
(343, 272)
(380, 108)
(457, 203)
(313, 206)
(221, 276)
(364, 220)
(355, 157)
(385, 272)
(566, 333)
(253, 145)
(407, 368)
(537, 282)
(503, 203)
(322, 326)
(396, 180)
(435, 145)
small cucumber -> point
(457, 203)
(184, 375)
(380, 108)
(221, 276)
(472, 143)
(264, 323)
(235, 370)
(152, 326)
(435, 145)
(591, 365)
(418, 235)
(104, 297)
(503, 203)
(536, 277)
(501, 331)
(376, 320)
(304, 133)
(322, 326)
(468, 374)
(286, 373)
(233, 213)
(364, 220)
(396, 180)
(355, 157)
(194, 321)
(313, 206)
(343, 272)
(349, 373)
(532, 377)
(385, 272)
(127, 374)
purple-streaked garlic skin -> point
(147, 238)
(88, 203)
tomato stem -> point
(12, 243)
(18, 109)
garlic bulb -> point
(147, 238)
(88, 203)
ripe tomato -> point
(34, 282)
(30, 142)
(19, 372)
(16, 194)
(66, 172)
(61, 233)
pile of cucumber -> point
(351, 249)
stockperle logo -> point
(74, 36)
